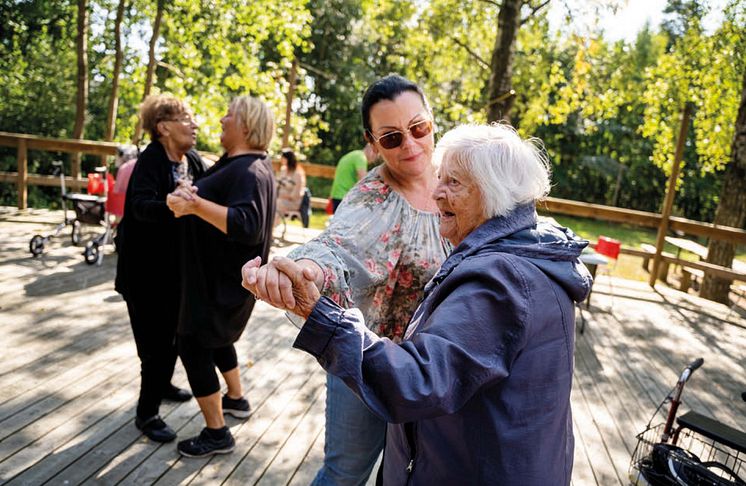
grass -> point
(318, 220)
(627, 266)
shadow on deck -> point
(70, 378)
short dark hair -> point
(291, 159)
(387, 88)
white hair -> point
(125, 153)
(508, 170)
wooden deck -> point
(69, 378)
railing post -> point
(22, 182)
(75, 170)
(670, 193)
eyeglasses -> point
(395, 138)
(184, 120)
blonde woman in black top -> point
(226, 218)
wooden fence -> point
(23, 143)
(23, 179)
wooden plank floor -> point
(69, 378)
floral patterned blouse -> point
(377, 255)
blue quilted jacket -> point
(479, 390)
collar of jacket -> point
(158, 150)
(520, 218)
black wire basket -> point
(694, 459)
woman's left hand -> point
(183, 201)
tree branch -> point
(473, 54)
(171, 68)
(318, 71)
(534, 10)
(493, 2)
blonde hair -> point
(254, 116)
(508, 170)
(157, 108)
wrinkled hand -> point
(183, 201)
(283, 283)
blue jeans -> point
(354, 438)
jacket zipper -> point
(409, 432)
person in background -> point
(351, 168)
(125, 164)
(291, 183)
(478, 392)
(226, 218)
(377, 254)
(148, 262)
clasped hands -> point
(284, 283)
(183, 201)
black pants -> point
(336, 203)
(154, 326)
(200, 362)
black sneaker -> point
(238, 407)
(205, 445)
(155, 429)
(176, 394)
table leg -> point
(591, 268)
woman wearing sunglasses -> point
(378, 253)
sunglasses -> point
(393, 139)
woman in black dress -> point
(147, 268)
(227, 219)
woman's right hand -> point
(284, 283)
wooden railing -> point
(642, 218)
(23, 143)
(22, 179)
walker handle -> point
(694, 365)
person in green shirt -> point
(351, 168)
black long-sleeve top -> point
(147, 235)
(214, 305)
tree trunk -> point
(500, 99)
(150, 73)
(731, 210)
(289, 102)
(111, 118)
(81, 101)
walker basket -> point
(645, 468)
(89, 209)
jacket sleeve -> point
(148, 193)
(342, 248)
(248, 203)
(468, 342)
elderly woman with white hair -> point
(479, 390)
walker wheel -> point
(36, 245)
(91, 253)
(76, 233)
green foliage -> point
(319, 186)
(608, 113)
(336, 72)
(37, 67)
(706, 72)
